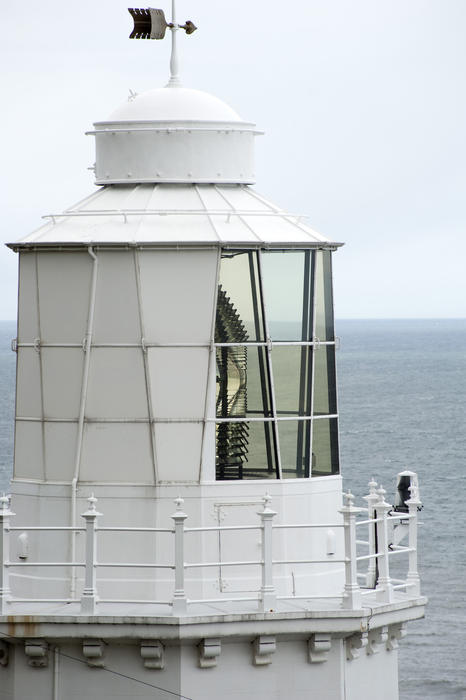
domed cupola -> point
(174, 134)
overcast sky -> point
(362, 101)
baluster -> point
(414, 504)
(352, 592)
(5, 515)
(268, 596)
(371, 498)
(89, 595)
(179, 603)
(384, 588)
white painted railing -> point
(376, 578)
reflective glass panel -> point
(324, 447)
(287, 282)
(324, 300)
(294, 438)
(324, 380)
(242, 382)
(291, 374)
(239, 303)
(246, 450)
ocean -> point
(402, 404)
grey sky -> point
(363, 103)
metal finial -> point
(150, 23)
(92, 500)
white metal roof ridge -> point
(159, 214)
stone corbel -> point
(93, 652)
(354, 644)
(395, 633)
(263, 648)
(37, 652)
(152, 654)
(4, 653)
(377, 639)
(209, 650)
(318, 646)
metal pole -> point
(89, 595)
(372, 498)
(413, 578)
(384, 588)
(174, 67)
(352, 592)
(268, 594)
(5, 514)
(179, 603)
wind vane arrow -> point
(150, 23)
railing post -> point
(268, 595)
(414, 504)
(89, 595)
(371, 498)
(179, 603)
(5, 514)
(352, 592)
(384, 588)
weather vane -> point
(151, 24)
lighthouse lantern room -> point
(176, 500)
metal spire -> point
(174, 76)
(151, 24)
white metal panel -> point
(62, 376)
(170, 229)
(28, 320)
(178, 381)
(60, 450)
(117, 452)
(64, 285)
(116, 387)
(178, 291)
(184, 156)
(178, 451)
(174, 197)
(274, 229)
(116, 317)
(28, 389)
(28, 450)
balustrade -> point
(377, 580)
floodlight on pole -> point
(150, 23)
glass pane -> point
(324, 380)
(245, 451)
(287, 292)
(325, 447)
(294, 437)
(242, 382)
(239, 305)
(291, 375)
(324, 299)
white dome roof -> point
(173, 104)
